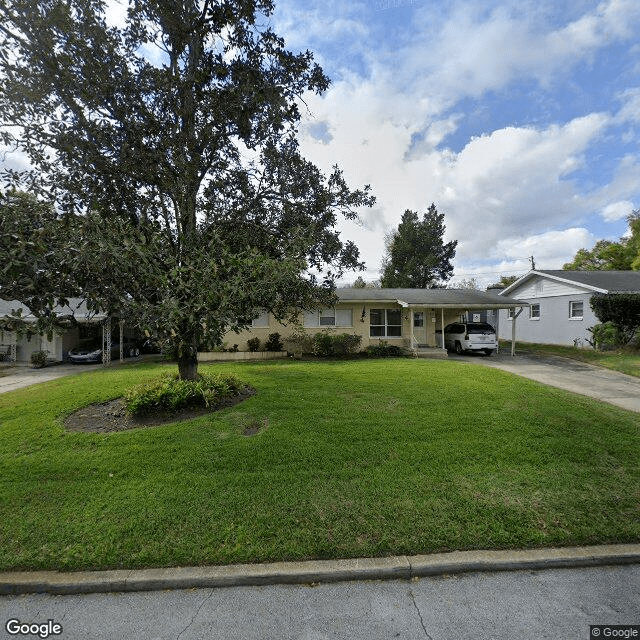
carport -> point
(427, 311)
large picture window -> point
(385, 323)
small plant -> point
(39, 359)
(168, 393)
(273, 342)
(253, 344)
(299, 341)
(383, 350)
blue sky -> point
(519, 120)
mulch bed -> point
(110, 416)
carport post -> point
(513, 331)
(442, 326)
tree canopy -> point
(166, 184)
(416, 254)
(607, 255)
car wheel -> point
(136, 352)
(488, 352)
(458, 348)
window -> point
(261, 321)
(511, 314)
(385, 323)
(328, 318)
(576, 308)
(534, 312)
(418, 319)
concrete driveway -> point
(586, 379)
(19, 376)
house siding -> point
(360, 326)
(554, 325)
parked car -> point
(470, 336)
(93, 352)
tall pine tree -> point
(417, 256)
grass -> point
(357, 458)
(625, 360)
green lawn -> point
(626, 361)
(358, 458)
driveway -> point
(19, 376)
(586, 379)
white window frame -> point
(386, 324)
(572, 305)
(340, 317)
(511, 313)
(531, 311)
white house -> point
(559, 311)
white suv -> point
(470, 336)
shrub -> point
(39, 359)
(323, 344)
(620, 309)
(383, 350)
(168, 393)
(253, 344)
(299, 341)
(346, 344)
(273, 342)
(606, 336)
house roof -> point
(597, 281)
(76, 308)
(435, 298)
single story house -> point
(558, 303)
(409, 318)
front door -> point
(419, 327)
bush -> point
(322, 344)
(168, 393)
(619, 309)
(253, 344)
(606, 336)
(346, 344)
(383, 350)
(39, 359)
(273, 343)
(299, 341)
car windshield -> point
(479, 327)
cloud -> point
(617, 210)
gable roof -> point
(438, 298)
(597, 281)
(76, 308)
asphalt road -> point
(520, 605)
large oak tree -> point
(166, 150)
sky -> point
(519, 120)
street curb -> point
(315, 571)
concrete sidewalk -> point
(316, 571)
(579, 377)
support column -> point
(442, 327)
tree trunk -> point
(188, 366)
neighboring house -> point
(21, 346)
(559, 311)
(405, 317)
